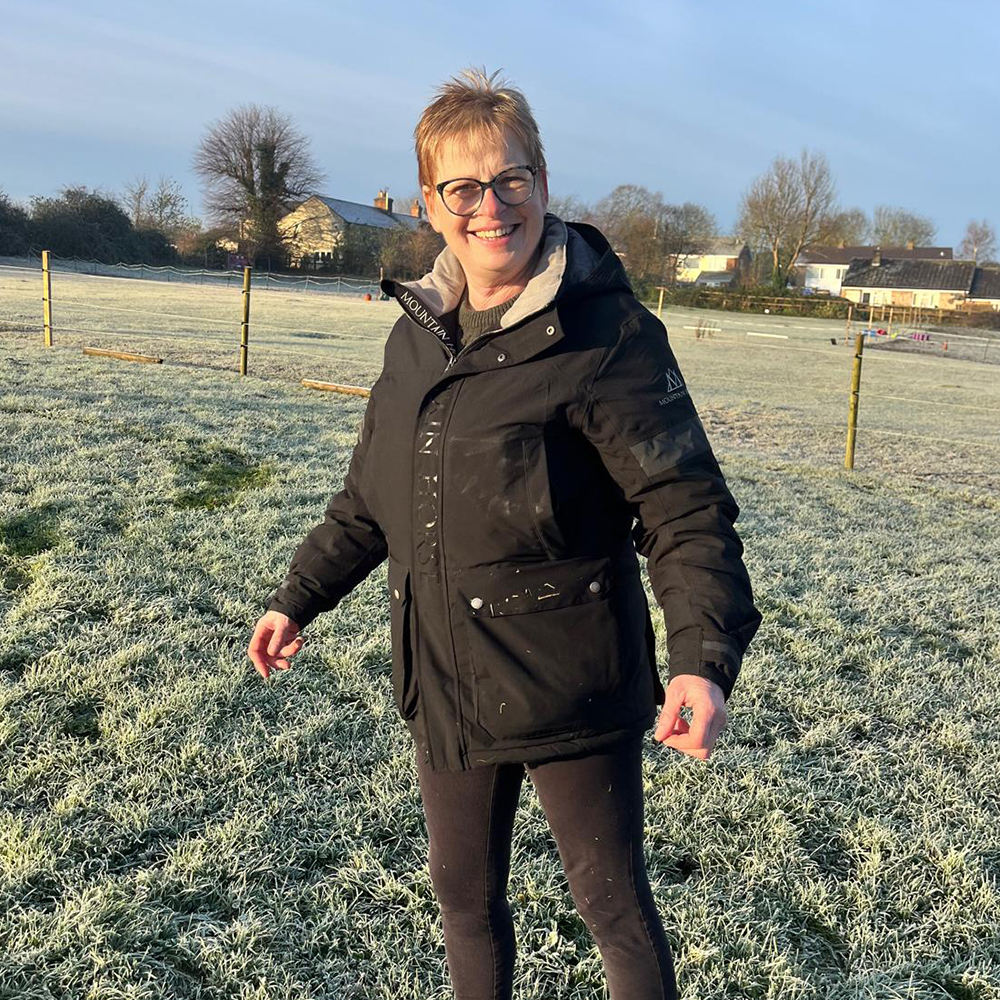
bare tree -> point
(254, 164)
(895, 227)
(848, 227)
(787, 209)
(979, 242)
(163, 208)
(569, 208)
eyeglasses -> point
(464, 195)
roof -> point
(985, 283)
(943, 275)
(721, 246)
(715, 278)
(844, 255)
(368, 215)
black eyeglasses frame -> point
(484, 186)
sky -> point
(689, 99)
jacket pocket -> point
(556, 648)
(404, 679)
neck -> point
(485, 296)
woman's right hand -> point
(275, 638)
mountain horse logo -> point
(674, 380)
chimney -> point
(383, 201)
(909, 244)
(877, 258)
(416, 210)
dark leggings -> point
(594, 807)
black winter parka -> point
(510, 484)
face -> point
(500, 260)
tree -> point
(979, 242)
(788, 209)
(163, 208)
(410, 253)
(254, 164)
(13, 227)
(848, 227)
(895, 227)
(90, 224)
(646, 232)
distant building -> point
(822, 269)
(984, 293)
(722, 262)
(932, 284)
(314, 229)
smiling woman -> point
(528, 411)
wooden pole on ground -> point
(245, 325)
(847, 329)
(46, 299)
(659, 305)
(350, 390)
(123, 355)
(852, 420)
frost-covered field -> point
(172, 826)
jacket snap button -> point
(395, 594)
(501, 357)
(595, 586)
(550, 330)
(476, 602)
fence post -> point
(659, 305)
(847, 329)
(852, 421)
(46, 299)
(245, 326)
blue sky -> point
(692, 100)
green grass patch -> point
(222, 474)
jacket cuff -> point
(300, 614)
(712, 655)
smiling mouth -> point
(486, 235)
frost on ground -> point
(172, 826)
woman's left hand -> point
(708, 705)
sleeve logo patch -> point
(675, 387)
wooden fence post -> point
(659, 305)
(852, 420)
(847, 329)
(46, 299)
(245, 325)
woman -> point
(529, 432)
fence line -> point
(335, 284)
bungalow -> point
(314, 228)
(823, 269)
(722, 262)
(933, 284)
(984, 292)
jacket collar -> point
(574, 258)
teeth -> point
(492, 234)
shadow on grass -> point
(223, 474)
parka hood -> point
(576, 260)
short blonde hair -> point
(474, 109)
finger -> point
(686, 745)
(277, 640)
(668, 718)
(291, 648)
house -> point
(933, 284)
(314, 228)
(823, 269)
(722, 261)
(984, 293)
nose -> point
(491, 205)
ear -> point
(431, 204)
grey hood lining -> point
(566, 258)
